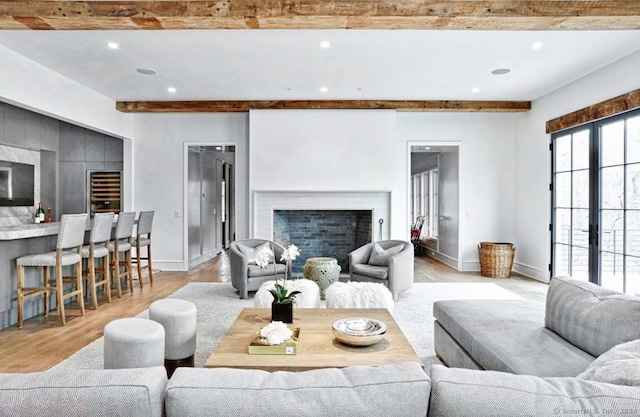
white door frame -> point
(408, 184)
(185, 192)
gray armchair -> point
(246, 275)
(393, 268)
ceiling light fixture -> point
(427, 147)
(475, 90)
(113, 45)
(501, 71)
(325, 44)
(146, 71)
(171, 89)
(323, 89)
(537, 45)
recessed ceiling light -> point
(323, 89)
(537, 45)
(218, 148)
(146, 71)
(427, 147)
(501, 71)
(113, 45)
(171, 89)
(475, 90)
(325, 44)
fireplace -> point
(320, 233)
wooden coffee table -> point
(317, 346)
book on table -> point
(259, 346)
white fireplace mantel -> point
(265, 202)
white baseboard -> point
(169, 265)
(531, 272)
(470, 266)
(520, 268)
(445, 259)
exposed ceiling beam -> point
(619, 104)
(329, 14)
(232, 106)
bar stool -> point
(143, 239)
(70, 236)
(98, 248)
(122, 245)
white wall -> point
(27, 84)
(159, 173)
(532, 156)
(486, 171)
(328, 150)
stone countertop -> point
(25, 231)
(28, 230)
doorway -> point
(595, 196)
(434, 195)
(210, 201)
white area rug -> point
(218, 306)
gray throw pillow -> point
(380, 257)
(620, 365)
(250, 253)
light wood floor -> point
(42, 343)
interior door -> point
(209, 203)
(194, 191)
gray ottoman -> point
(179, 319)
(133, 343)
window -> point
(433, 203)
(596, 202)
(424, 200)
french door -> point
(596, 202)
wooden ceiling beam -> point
(619, 104)
(227, 106)
(328, 14)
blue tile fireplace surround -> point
(320, 233)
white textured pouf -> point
(179, 319)
(133, 343)
(359, 295)
(309, 296)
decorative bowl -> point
(359, 331)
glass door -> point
(570, 199)
(619, 211)
(596, 203)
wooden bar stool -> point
(120, 249)
(143, 239)
(98, 248)
(70, 236)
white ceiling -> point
(290, 65)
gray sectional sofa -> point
(560, 338)
(578, 318)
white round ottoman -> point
(133, 343)
(179, 319)
(309, 296)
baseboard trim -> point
(169, 265)
(445, 259)
(531, 272)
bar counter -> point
(25, 231)
(17, 241)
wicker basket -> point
(496, 259)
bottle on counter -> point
(49, 217)
(39, 215)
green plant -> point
(282, 295)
